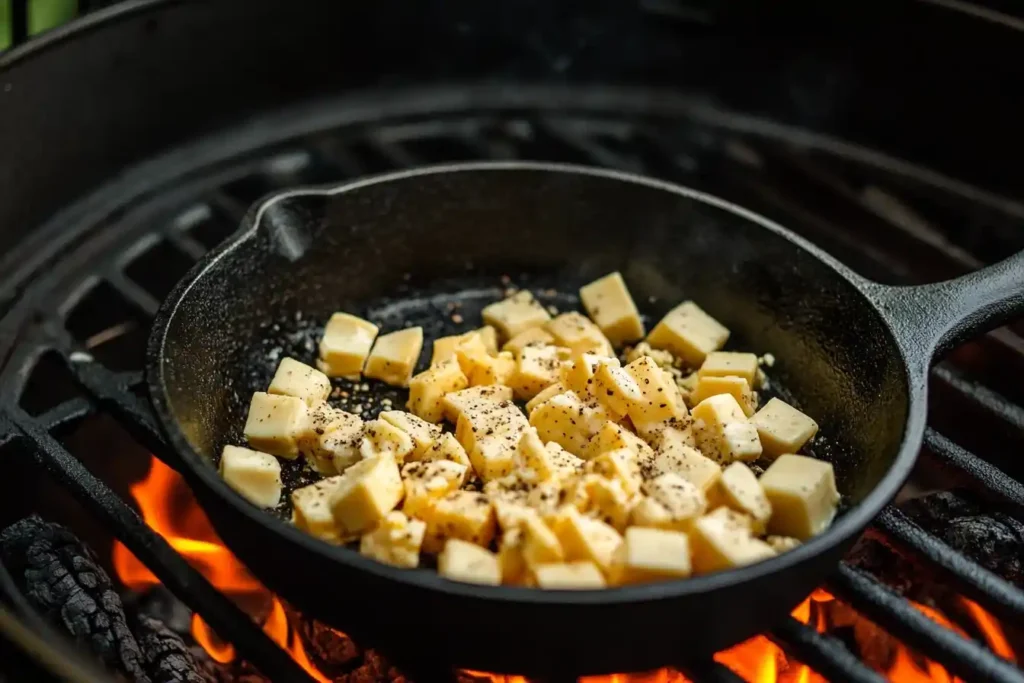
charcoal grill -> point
(134, 141)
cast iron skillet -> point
(852, 353)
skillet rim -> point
(850, 523)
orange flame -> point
(168, 507)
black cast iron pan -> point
(401, 248)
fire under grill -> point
(934, 591)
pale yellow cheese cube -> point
(395, 541)
(730, 363)
(383, 438)
(515, 314)
(489, 335)
(649, 513)
(444, 347)
(345, 345)
(616, 388)
(719, 410)
(673, 430)
(277, 424)
(293, 378)
(676, 457)
(367, 491)
(535, 336)
(510, 513)
(465, 515)
(458, 403)
(611, 437)
(584, 538)
(609, 303)
(494, 456)
(723, 540)
(739, 441)
(683, 500)
(422, 433)
(490, 433)
(738, 387)
(661, 400)
(427, 482)
(470, 351)
(546, 496)
(648, 554)
(537, 367)
(488, 369)
(446, 447)
(253, 475)
(782, 544)
(323, 419)
(783, 428)
(468, 563)
(546, 393)
(688, 332)
(428, 389)
(510, 557)
(621, 464)
(803, 496)
(710, 419)
(311, 510)
(540, 543)
(539, 462)
(569, 576)
(580, 372)
(577, 333)
(561, 419)
(340, 441)
(394, 356)
(739, 489)
(607, 500)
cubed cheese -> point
(577, 333)
(585, 538)
(342, 436)
(427, 482)
(510, 557)
(710, 418)
(677, 458)
(738, 387)
(683, 501)
(428, 389)
(469, 352)
(383, 438)
(465, 515)
(277, 424)
(783, 428)
(609, 303)
(255, 476)
(535, 336)
(739, 441)
(458, 403)
(510, 514)
(422, 433)
(606, 500)
(540, 543)
(661, 399)
(611, 437)
(673, 430)
(688, 332)
(739, 489)
(582, 368)
(782, 544)
(447, 447)
(395, 541)
(615, 387)
(730, 363)
(539, 462)
(301, 381)
(394, 356)
(562, 419)
(546, 393)
(367, 491)
(569, 576)
(490, 433)
(546, 496)
(723, 540)
(486, 369)
(621, 464)
(803, 496)
(345, 345)
(537, 367)
(515, 314)
(469, 563)
(311, 510)
(444, 347)
(651, 555)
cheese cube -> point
(546, 393)
(718, 411)
(515, 314)
(469, 563)
(583, 538)
(661, 399)
(569, 576)
(562, 419)
(649, 513)
(447, 447)
(739, 441)
(723, 540)
(547, 496)
(383, 438)
(535, 336)
(803, 496)
(577, 333)
(427, 482)
(683, 501)
(606, 500)
(782, 544)
(583, 366)
(396, 541)
(711, 417)
(688, 332)
(367, 491)
(311, 510)
(677, 458)
(428, 389)
(540, 543)
(611, 437)
(345, 345)
(736, 386)
(615, 387)
(465, 515)
(482, 369)
(673, 430)
(490, 434)
(510, 514)
(730, 363)
(469, 350)
(422, 433)
(539, 462)
(783, 428)
(394, 356)
(489, 335)
(458, 403)
(609, 303)
(444, 347)
(651, 555)
(255, 476)
(510, 557)
(622, 465)
(538, 367)
(739, 489)
(340, 441)
(277, 424)
(301, 381)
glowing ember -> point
(168, 507)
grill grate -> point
(92, 339)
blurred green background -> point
(42, 15)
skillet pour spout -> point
(852, 353)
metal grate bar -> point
(997, 595)
(136, 295)
(824, 654)
(710, 672)
(154, 552)
(981, 395)
(962, 657)
(982, 472)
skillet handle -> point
(929, 320)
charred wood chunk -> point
(63, 580)
(168, 659)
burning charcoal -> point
(168, 659)
(331, 651)
(64, 582)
